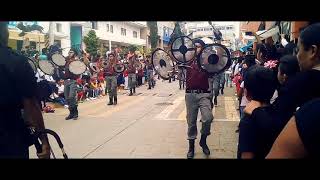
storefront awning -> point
(268, 33)
(245, 48)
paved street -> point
(151, 124)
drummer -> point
(111, 79)
(70, 87)
(198, 96)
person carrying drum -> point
(132, 75)
(198, 96)
(111, 79)
(150, 73)
(70, 87)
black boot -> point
(203, 144)
(110, 101)
(130, 92)
(134, 90)
(75, 115)
(190, 154)
(222, 91)
(215, 101)
(70, 116)
(115, 100)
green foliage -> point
(91, 42)
(153, 33)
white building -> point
(229, 30)
(61, 33)
(117, 34)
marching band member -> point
(111, 79)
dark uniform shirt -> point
(196, 79)
(109, 69)
(17, 81)
(131, 67)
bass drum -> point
(119, 68)
(214, 59)
(77, 67)
(162, 64)
(46, 67)
(58, 59)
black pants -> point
(13, 147)
(139, 80)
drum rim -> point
(165, 78)
(55, 62)
(34, 63)
(44, 71)
(228, 56)
(123, 68)
(80, 63)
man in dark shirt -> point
(111, 79)
(198, 96)
(132, 78)
(70, 87)
(150, 73)
(20, 93)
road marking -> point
(107, 112)
(169, 109)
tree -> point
(152, 25)
(176, 32)
(132, 48)
(91, 42)
(28, 28)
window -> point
(111, 28)
(107, 27)
(123, 32)
(135, 34)
(94, 25)
(58, 27)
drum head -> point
(162, 63)
(33, 65)
(183, 49)
(77, 67)
(94, 67)
(214, 58)
(58, 59)
(46, 67)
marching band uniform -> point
(70, 87)
(111, 79)
(198, 96)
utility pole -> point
(51, 33)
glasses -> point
(71, 52)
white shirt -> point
(244, 100)
(39, 75)
(49, 78)
(236, 70)
(60, 89)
